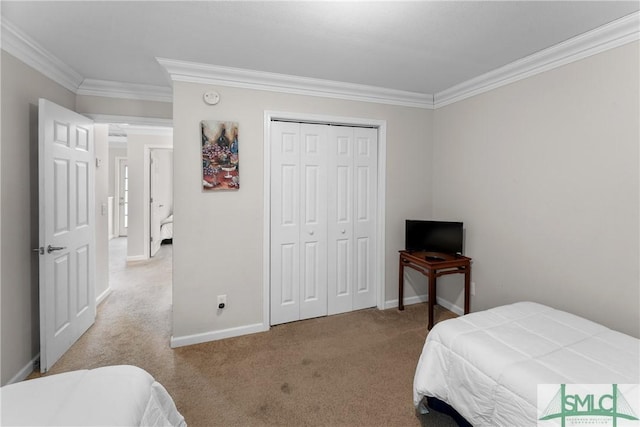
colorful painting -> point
(220, 167)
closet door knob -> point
(343, 231)
(310, 232)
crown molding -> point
(617, 33)
(109, 89)
(31, 53)
(193, 72)
(609, 36)
(27, 50)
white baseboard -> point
(424, 298)
(137, 258)
(217, 335)
(103, 296)
(451, 307)
(24, 372)
(407, 301)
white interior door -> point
(340, 207)
(123, 197)
(161, 193)
(323, 220)
(352, 202)
(66, 164)
(313, 217)
(285, 222)
(298, 222)
(365, 157)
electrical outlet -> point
(473, 288)
(222, 301)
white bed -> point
(487, 365)
(109, 396)
(166, 228)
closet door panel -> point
(285, 222)
(364, 223)
(323, 220)
(340, 221)
(313, 235)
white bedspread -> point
(109, 396)
(487, 365)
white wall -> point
(123, 107)
(21, 87)
(101, 143)
(138, 231)
(544, 173)
(20, 330)
(218, 245)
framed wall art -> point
(220, 166)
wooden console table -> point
(434, 265)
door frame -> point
(117, 195)
(148, 153)
(146, 194)
(381, 126)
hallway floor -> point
(135, 318)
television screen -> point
(433, 236)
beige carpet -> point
(353, 369)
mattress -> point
(166, 228)
(108, 396)
(487, 365)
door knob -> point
(310, 232)
(343, 231)
(55, 248)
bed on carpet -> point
(166, 229)
(487, 365)
(108, 396)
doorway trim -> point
(146, 194)
(117, 194)
(381, 126)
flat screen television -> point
(433, 236)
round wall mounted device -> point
(211, 97)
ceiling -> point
(419, 46)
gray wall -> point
(21, 88)
(218, 245)
(544, 173)
(534, 169)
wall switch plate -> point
(473, 288)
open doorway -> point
(140, 190)
(161, 198)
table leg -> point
(401, 285)
(467, 288)
(432, 297)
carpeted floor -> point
(353, 369)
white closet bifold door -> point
(298, 221)
(352, 218)
(323, 219)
